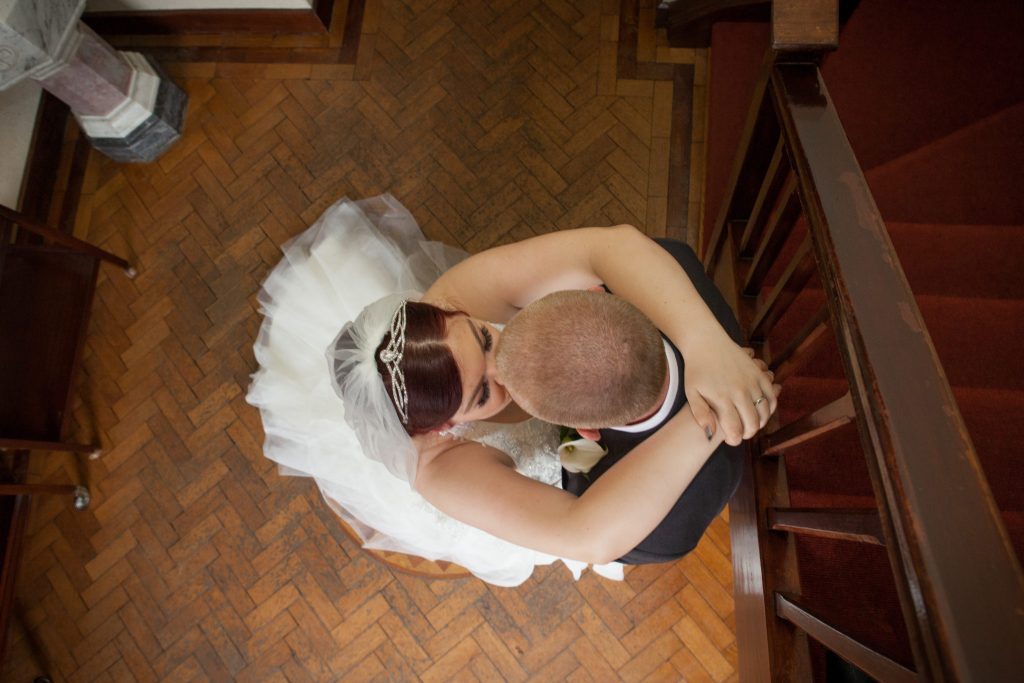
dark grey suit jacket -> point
(714, 485)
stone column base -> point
(146, 123)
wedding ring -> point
(760, 401)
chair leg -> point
(64, 239)
(37, 652)
(24, 444)
(80, 493)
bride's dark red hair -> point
(432, 378)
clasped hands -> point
(728, 389)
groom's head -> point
(583, 359)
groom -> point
(557, 353)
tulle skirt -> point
(356, 253)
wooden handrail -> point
(937, 517)
(937, 511)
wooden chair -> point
(47, 282)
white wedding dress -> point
(356, 253)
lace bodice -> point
(532, 445)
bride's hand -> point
(724, 386)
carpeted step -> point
(839, 578)
(977, 340)
(997, 432)
(831, 467)
(910, 72)
(1013, 520)
(851, 586)
(831, 471)
(973, 175)
(905, 75)
(977, 261)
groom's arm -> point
(496, 283)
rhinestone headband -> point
(391, 355)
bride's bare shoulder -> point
(445, 456)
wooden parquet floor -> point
(197, 560)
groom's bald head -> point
(583, 359)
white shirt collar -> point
(670, 398)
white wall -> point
(18, 107)
(144, 5)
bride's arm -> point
(496, 283)
(473, 483)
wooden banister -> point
(936, 514)
(964, 617)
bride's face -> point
(472, 343)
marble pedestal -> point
(127, 107)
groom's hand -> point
(728, 389)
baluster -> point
(873, 663)
(792, 282)
(778, 169)
(859, 525)
(821, 421)
(779, 227)
(801, 347)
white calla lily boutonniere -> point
(578, 454)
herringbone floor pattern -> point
(197, 561)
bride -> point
(440, 463)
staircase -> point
(931, 95)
